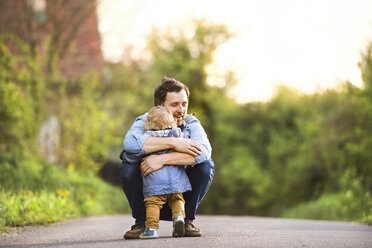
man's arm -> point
(138, 143)
(198, 145)
(155, 162)
(154, 144)
(198, 135)
(136, 137)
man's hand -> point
(187, 146)
(182, 145)
(151, 163)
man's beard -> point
(180, 119)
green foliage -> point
(25, 208)
(86, 130)
(21, 89)
(304, 156)
(366, 68)
(185, 57)
(29, 97)
(244, 188)
(271, 156)
(353, 203)
(127, 93)
(33, 192)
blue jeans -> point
(200, 176)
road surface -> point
(218, 231)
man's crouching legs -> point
(131, 182)
(201, 176)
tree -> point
(185, 57)
(366, 69)
(22, 87)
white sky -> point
(309, 45)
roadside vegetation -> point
(35, 192)
(297, 156)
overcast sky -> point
(306, 45)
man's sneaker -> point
(134, 232)
(178, 226)
(191, 230)
(149, 233)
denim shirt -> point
(136, 137)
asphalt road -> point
(218, 231)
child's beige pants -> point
(156, 202)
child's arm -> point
(156, 162)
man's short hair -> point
(168, 85)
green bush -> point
(21, 88)
(33, 192)
(29, 97)
(333, 207)
(353, 203)
(86, 129)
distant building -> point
(71, 25)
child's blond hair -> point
(159, 118)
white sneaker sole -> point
(179, 229)
(149, 237)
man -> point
(194, 152)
